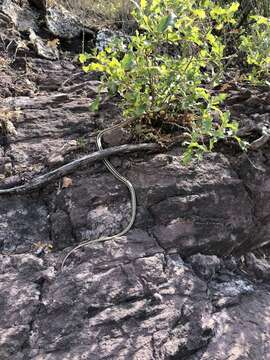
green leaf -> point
(219, 26)
(128, 61)
(222, 96)
(173, 37)
(155, 6)
(207, 125)
(234, 7)
(217, 11)
(94, 67)
(94, 106)
(114, 63)
(202, 93)
(260, 20)
(211, 38)
(112, 88)
(200, 13)
(83, 58)
(143, 4)
(165, 22)
(187, 156)
(212, 143)
(216, 100)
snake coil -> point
(131, 189)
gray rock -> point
(24, 18)
(106, 37)
(242, 331)
(190, 204)
(12, 340)
(260, 268)
(205, 266)
(43, 48)
(24, 224)
(62, 23)
(229, 293)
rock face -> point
(168, 290)
(129, 299)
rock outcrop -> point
(182, 284)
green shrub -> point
(156, 87)
(256, 46)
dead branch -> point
(53, 175)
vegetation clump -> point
(177, 88)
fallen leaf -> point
(53, 43)
(67, 182)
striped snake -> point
(125, 181)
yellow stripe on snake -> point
(131, 189)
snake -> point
(122, 179)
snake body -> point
(125, 181)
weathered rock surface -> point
(168, 290)
(128, 299)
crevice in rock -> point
(153, 235)
(48, 207)
(26, 346)
(73, 229)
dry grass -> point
(113, 13)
